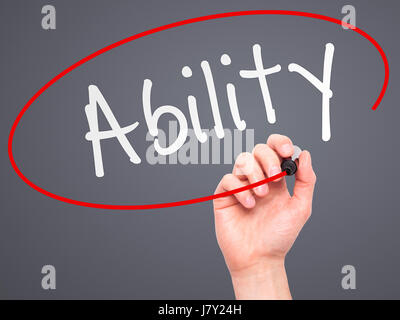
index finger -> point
(281, 144)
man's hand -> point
(256, 228)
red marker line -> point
(208, 198)
(154, 205)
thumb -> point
(305, 182)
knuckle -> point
(270, 156)
(271, 138)
(225, 182)
(278, 138)
(242, 158)
(259, 148)
(285, 140)
(243, 164)
(227, 177)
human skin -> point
(256, 228)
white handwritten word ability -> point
(259, 72)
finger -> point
(268, 160)
(246, 167)
(305, 181)
(228, 183)
(282, 145)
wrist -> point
(264, 280)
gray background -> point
(172, 253)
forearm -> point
(266, 281)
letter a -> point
(94, 135)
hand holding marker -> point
(256, 228)
(289, 164)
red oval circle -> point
(155, 30)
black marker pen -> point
(288, 164)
